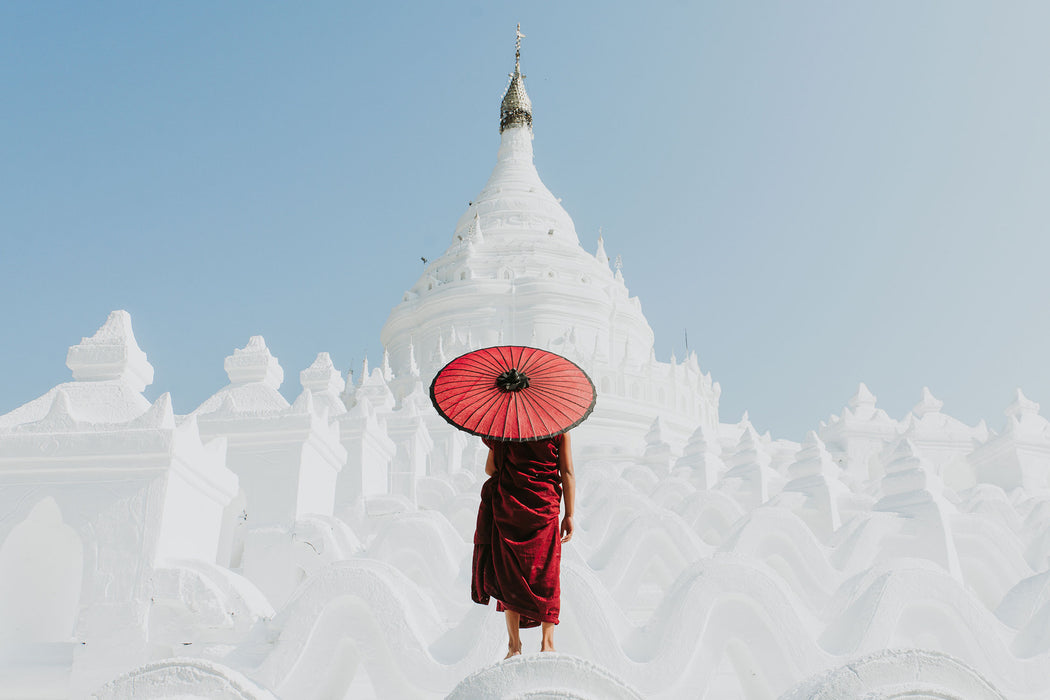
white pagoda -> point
(515, 274)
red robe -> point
(517, 543)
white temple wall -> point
(474, 456)
(370, 453)
(286, 468)
(269, 475)
(118, 522)
(317, 478)
(515, 319)
(942, 453)
(610, 432)
(290, 469)
(996, 462)
(958, 474)
(367, 475)
(423, 323)
(615, 427)
(190, 525)
(412, 458)
(268, 562)
(446, 456)
(1035, 468)
(589, 320)
(232, 532)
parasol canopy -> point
(513, 393)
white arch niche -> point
(41, 568)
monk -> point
(517, 543)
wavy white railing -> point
(668, 592)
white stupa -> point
(515, 273)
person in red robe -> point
(517, 543)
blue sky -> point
(819, 193)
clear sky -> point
(819, 193)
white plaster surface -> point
(322, 549)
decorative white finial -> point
(863, 397)
(322, 376)
(928, 404)
(254, 363)
(111, 353)
(600, 254)
(388, 373)
(1022, 406)
(413, 366)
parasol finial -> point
(512, 380)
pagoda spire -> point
(516, 108)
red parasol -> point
(513, 393)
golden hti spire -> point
(516, 108)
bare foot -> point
(512, 652)
(547, 640)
